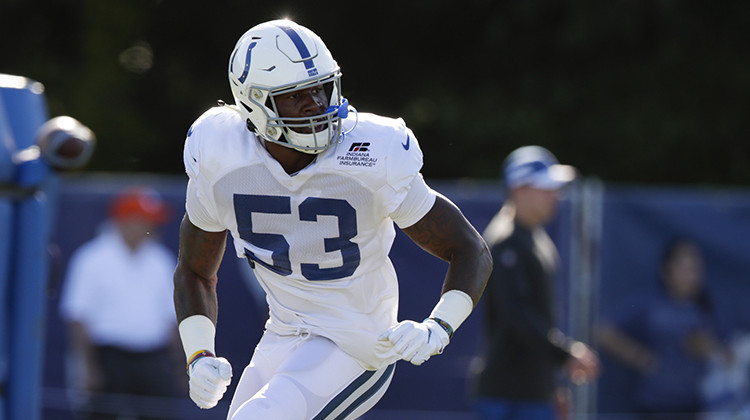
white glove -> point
(415, 342)
(209, 378)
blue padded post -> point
(26, 205)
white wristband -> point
(454, 307)
(197, 333)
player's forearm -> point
(194, 296)
(469, 270)
(195, 277)
(196, 305)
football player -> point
(310, 190)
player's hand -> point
(209, 378)
(415, 342)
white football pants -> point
(305, 377)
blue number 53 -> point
(309, 210)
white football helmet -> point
(277, 57)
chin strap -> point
(343, 109)
(345, 101)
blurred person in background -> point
(523, 351)
(117, 304)
(667, 338)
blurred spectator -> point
(668, 338)
(523, 351)
(117, 303)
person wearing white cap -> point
(522, 350)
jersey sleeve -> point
(409, 197)
(197, 212)
(198, 204)
(418, 201)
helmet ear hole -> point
(250, 125)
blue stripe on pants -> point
(351, 389)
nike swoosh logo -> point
(406, 145)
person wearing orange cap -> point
(117, 303)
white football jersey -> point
(319, 239)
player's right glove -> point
(209, 378)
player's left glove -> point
(415, 342)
